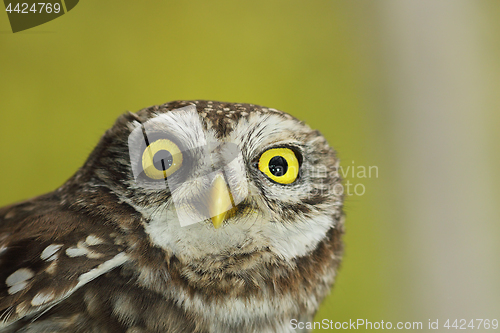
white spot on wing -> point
(81, 248)
(76, 251)
(93, 240)
(49, 253)
(105, 267)
(51, 269)
(42, 298)
(94, 255)
(17, 287)
(22, 308)
(19, 276)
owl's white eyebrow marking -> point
(19, 276)
(49, 253)
(93, 240)
(42, 298)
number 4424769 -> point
(462, 324)
(40, 7)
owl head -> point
(212, 179)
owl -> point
(191, 216)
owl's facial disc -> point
(223, 181)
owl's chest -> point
(215, 301)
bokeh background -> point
(411, 87)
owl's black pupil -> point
(163, 160)
(278, 166)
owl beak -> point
(220, 201)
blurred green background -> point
(409, 87)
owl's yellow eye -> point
(279, 164)
(161, 159)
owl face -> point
(213, 179)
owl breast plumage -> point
(191, 216)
